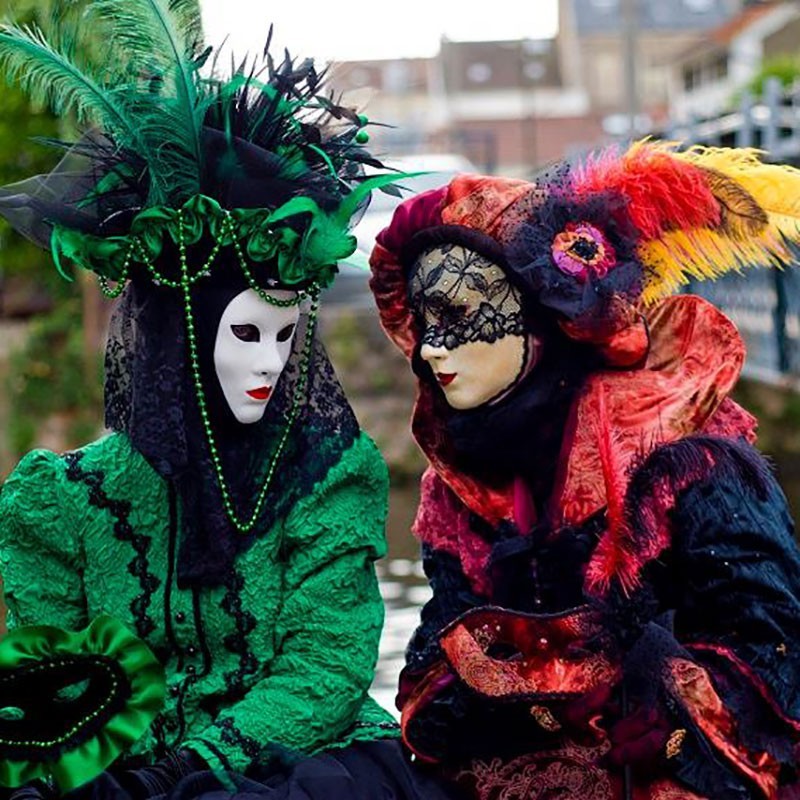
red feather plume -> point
(663, 192)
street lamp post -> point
(630, 27)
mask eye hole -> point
(285, 333)
(453, 314)
(246, 333)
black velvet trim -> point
(220, 755)
(54, 725)
(124, 532)
(238, 642)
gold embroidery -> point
(675, 742)
(545, 719)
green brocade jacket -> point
(280, 657)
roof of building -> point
(605, 16)
(733, 27)
(720, 36)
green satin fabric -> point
(88, 752)
(308, 257)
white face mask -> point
(253, 344)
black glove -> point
(158, 778)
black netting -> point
(33, 206)
(575, 257)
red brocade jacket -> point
(648, 654)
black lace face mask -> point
(460, 296)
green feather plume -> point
(160, 39)
(52, 76)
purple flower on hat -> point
(581, 248)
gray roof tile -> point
(604, 16)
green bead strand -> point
(244, 526)
(184, 284)
(137, 248)
(80, 724)
(113, 292)
(240, 256)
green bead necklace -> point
(184, 284)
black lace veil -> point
(149, 395)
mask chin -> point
(534, 352)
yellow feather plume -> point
(760, 220)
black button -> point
(180, 617)
(174, 690)
(190, 669)
(191, 650)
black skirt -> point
(378, 770)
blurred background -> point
(506, 90)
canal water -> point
(404, 590)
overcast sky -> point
(357, 29)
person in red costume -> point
(616, 584)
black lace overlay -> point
(139, 567)
(233, 736)
(461, 296)
(237, 642)
(150, 396)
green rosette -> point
(72, 702)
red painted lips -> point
(262, 393)
(445, 378)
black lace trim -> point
(124, 532)
(231, 735)
(238, 642)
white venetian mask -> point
(253, 344)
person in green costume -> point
(232, 516)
